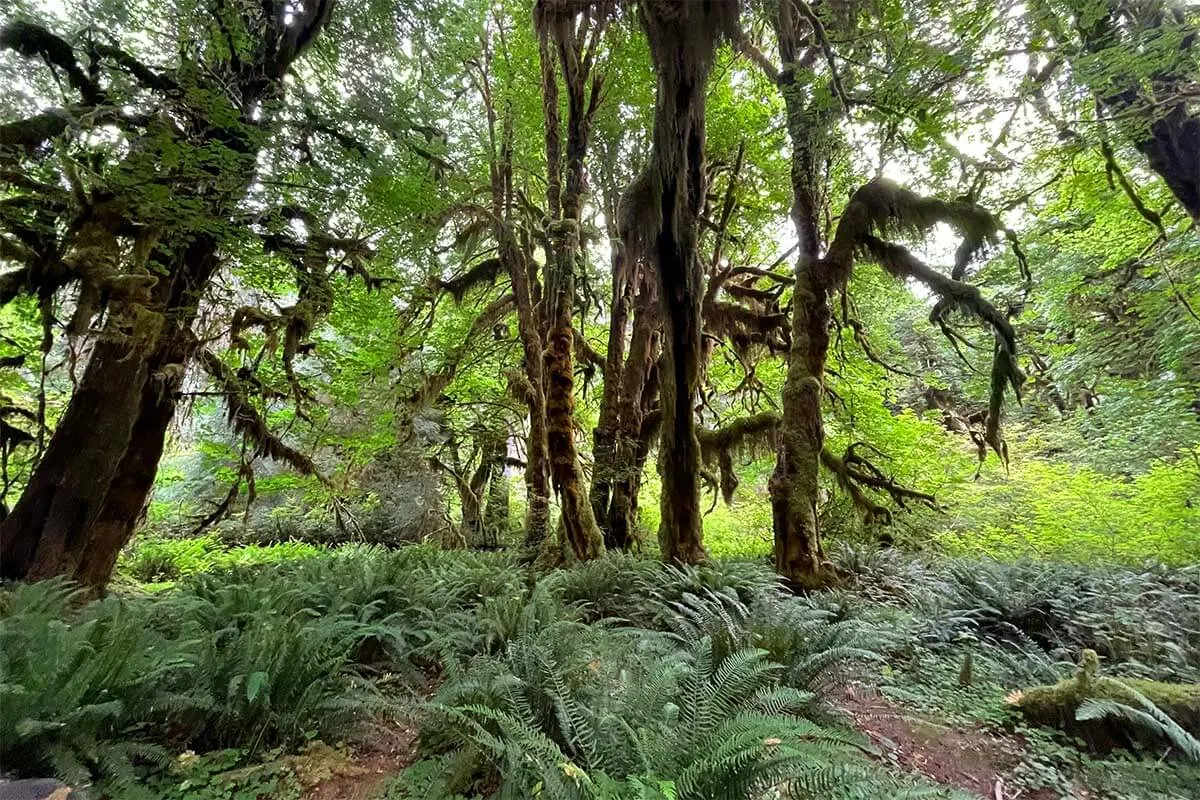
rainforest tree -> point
(138, 228)
(568, 237)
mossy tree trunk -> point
(660, 220)
(795, 484)
(125, 502)
(517, 263)
(567, 43)
(630, 390)
(498, 513)
(49, 528)
(88, 491)
(604, 436)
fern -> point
(71, 688)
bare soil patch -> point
(966, 757)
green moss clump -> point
(1055, 706)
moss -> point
(1055, 706)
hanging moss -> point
(753, 435)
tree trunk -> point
(88, 492)
(794, 486)
(604, 436)
(582, 532)
(139, 391)
(484, 535)
(537, 459)
(635, 391)
(662, 215)
(47, 532)
(129, 494)
(472, 519)
(498, 512)
(517, 264)
(564, 206)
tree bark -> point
(127, 497)
(635, 392)
(660, 219)
(111, 439)
(497, 514)
(537, 458)
(604, 436)
(794, 486)
(487, 477)
(47, 532)
(558, 26)
(579, 522)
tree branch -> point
(854, 473)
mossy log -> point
(1057, 706)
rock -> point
(35, 789)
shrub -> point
(155, 560)
(251, 656)
(683, 724)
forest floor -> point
(917, 655)
(368, 770)
(967, 757)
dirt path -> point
(364, 775)
(969, 758)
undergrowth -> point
(618, 678)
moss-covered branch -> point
(882, 206)
(247, 421)
(857, 475)
(754, 434)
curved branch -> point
(246, 420)
(433, 384)
(882, 205)
(32, 40)
(855, 474)
(822, 38)
(753, 433)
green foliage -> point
(150, 560)
(1141, 713)
(580, 716)
(627, 678)
(1143, 622)
(1067, 512)
(74, 693)
(250, 658)
(616, 678)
